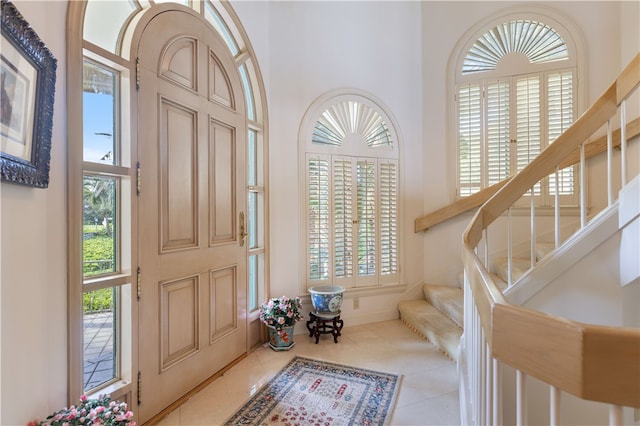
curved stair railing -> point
(592, 149)
(591, 362)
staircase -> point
(438, 317)
(548, 337)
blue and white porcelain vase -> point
(326, 299)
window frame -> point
(361, 152)
(576, 51)
(544, 195)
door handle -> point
(243, 233)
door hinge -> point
(137, 74)
(139, 392)
(139, 284)
(138, 176)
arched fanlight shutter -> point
(537, 41)
(351, 117)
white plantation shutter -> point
(498, 132)
(528, 130)
(359, 217)
(469, 139)
(318, 218)
(560, 102)
(536, 40)
(366, 217)
(388, 199)
(343, 217)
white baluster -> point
(489, 386)
(497, 393)
(615, 415)
(609, 164)
(521, 398)
(509, 253)
(583, 190)
(555, 411)
(557, 210)
(483, 376)
(486, 248)
(476, 395)
(533, 231)
(623, 141)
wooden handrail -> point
(463, 205)
(592, 362)
(460, 206)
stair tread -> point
(519, 265)
(447, 299)
(543, 249)
(432, 324)
(500, 282)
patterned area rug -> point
(311, 392)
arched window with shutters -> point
(516, 90)
(351, 192)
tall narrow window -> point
(515, 94)
(351, 191)
(101, 227)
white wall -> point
(317, 47)
(33, 301)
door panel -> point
(178, 176)
(224, 318)
(191, 148)
(178, 320)
(222, 162)
(179, 62)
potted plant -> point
(280, 315)
(101, 411)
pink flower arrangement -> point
(280, 312)
(101, 411)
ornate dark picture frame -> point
(28, 71)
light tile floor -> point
(428, 392)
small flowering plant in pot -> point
(101, 411)
(280, 315)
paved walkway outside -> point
(98, 349)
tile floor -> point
(428, 391)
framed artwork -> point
(27, 83)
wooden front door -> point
(191, 148)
